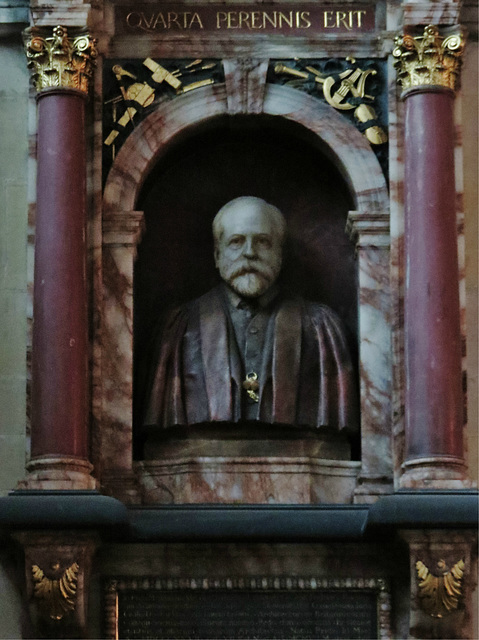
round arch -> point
(347, 148)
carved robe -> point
(305, 376)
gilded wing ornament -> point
(439, 595)
(56, 597)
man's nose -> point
(249, 249)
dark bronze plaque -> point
(188, 613)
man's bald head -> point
(249, 206)
(249, 235)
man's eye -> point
(264, 242)
(235, 242)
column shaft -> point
(60, 330)
(432, 323)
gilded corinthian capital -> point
(59, 60)
(429, 59)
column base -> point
(435, 472)
(58, 474)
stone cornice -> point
(368, 229)
(70, 13)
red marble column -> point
(61, 65)
(60, 329)
(434, 399)
(432, 323)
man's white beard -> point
(249, 279)
(250, 285)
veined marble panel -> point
(247, 480)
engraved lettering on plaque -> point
(264, 607)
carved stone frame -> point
(115, 585)
(245, 91)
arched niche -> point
(347, 150)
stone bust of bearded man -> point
(244, 351)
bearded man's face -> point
(249, 252)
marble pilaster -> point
(121, 232)
(370, 231)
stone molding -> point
(55, 473)
(71, 13)
(438, 472)
(368, 229)
(123, 229)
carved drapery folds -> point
(429, 59)
(60, 60)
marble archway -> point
(367, 225)
(349, 149)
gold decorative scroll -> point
(429, 59)
(56, 598)
(439, 595)
(60, 60)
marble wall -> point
(467, 116)
(13, 308)
(13, 263)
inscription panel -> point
(291, 19)
(247, 608)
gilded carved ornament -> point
(55, 598)
(439, 595)
(136, 96)
(344, 91)
(430, 59)
(60, 60)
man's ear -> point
(216, 255)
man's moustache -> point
(244, 271)
(248, 269)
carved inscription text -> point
(291, 19)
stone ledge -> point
(69, 510)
